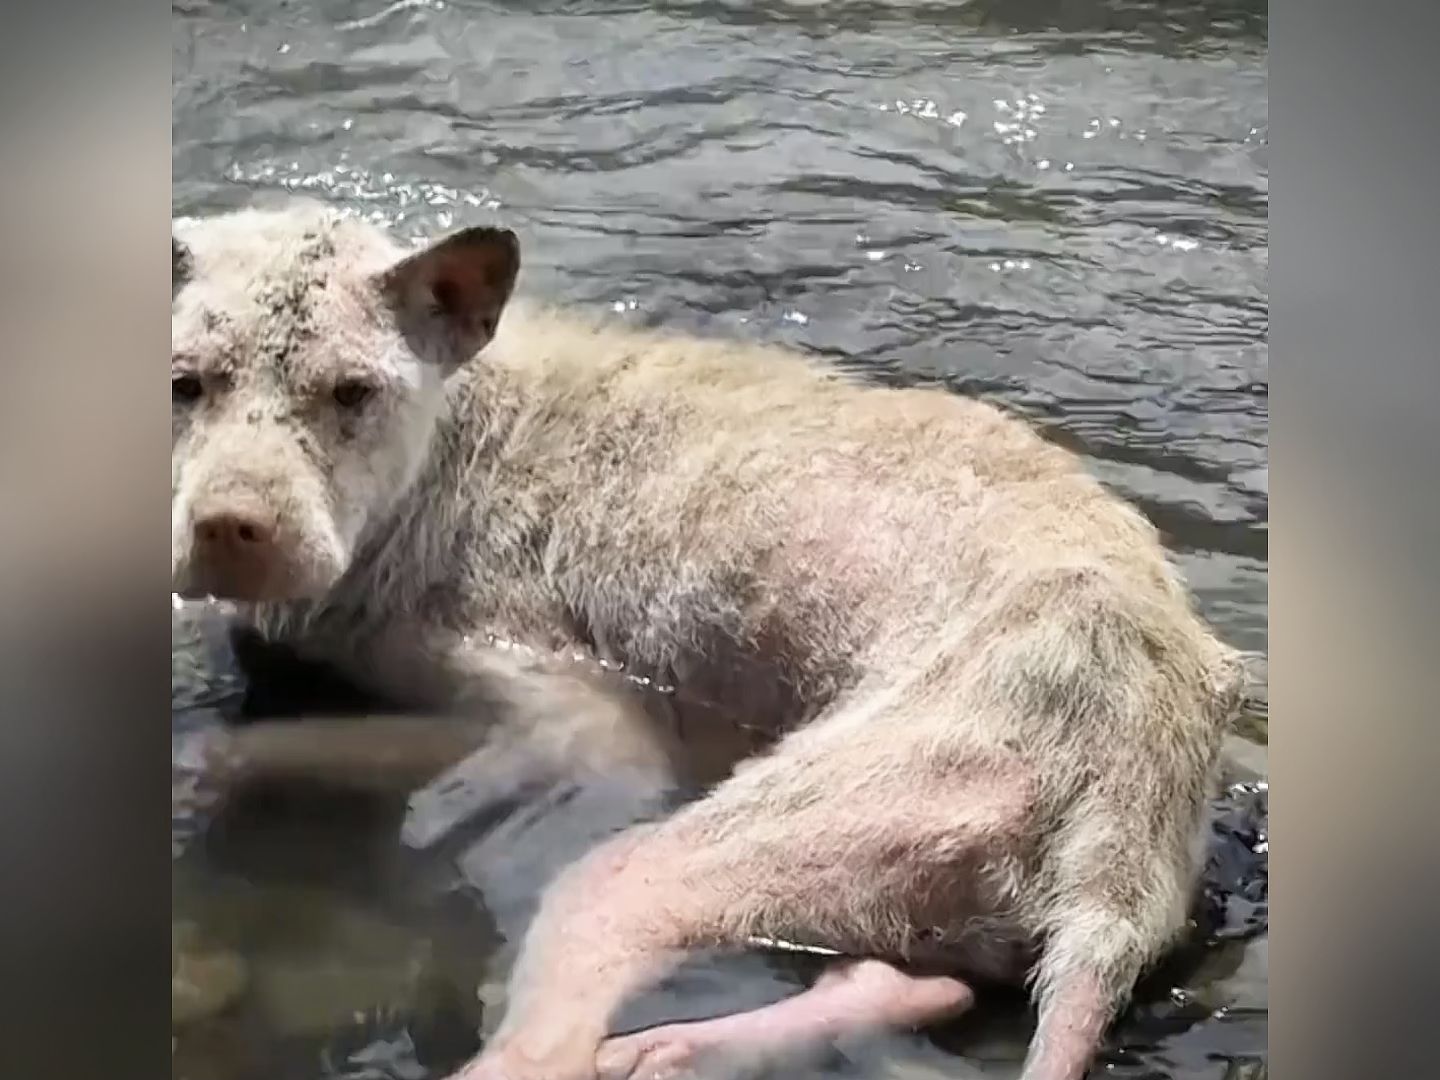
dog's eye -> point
(351, 394)
(185, 389)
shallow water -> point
(1059, 206)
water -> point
(1060, 206)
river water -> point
(1060, 205)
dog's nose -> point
(234, 532)
(235, 554)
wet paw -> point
(663, 1053)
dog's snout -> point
(235, 550)
(235, 531)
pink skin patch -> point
(1072, 1022)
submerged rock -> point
(204, 980)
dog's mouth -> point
(250, 582)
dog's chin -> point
(284, 587)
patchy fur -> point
(985, 711)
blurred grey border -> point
(1354, 300)
(84, 731)
(84, 717)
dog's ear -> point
(447, 298)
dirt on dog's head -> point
(309, 358)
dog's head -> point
(309, 360)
